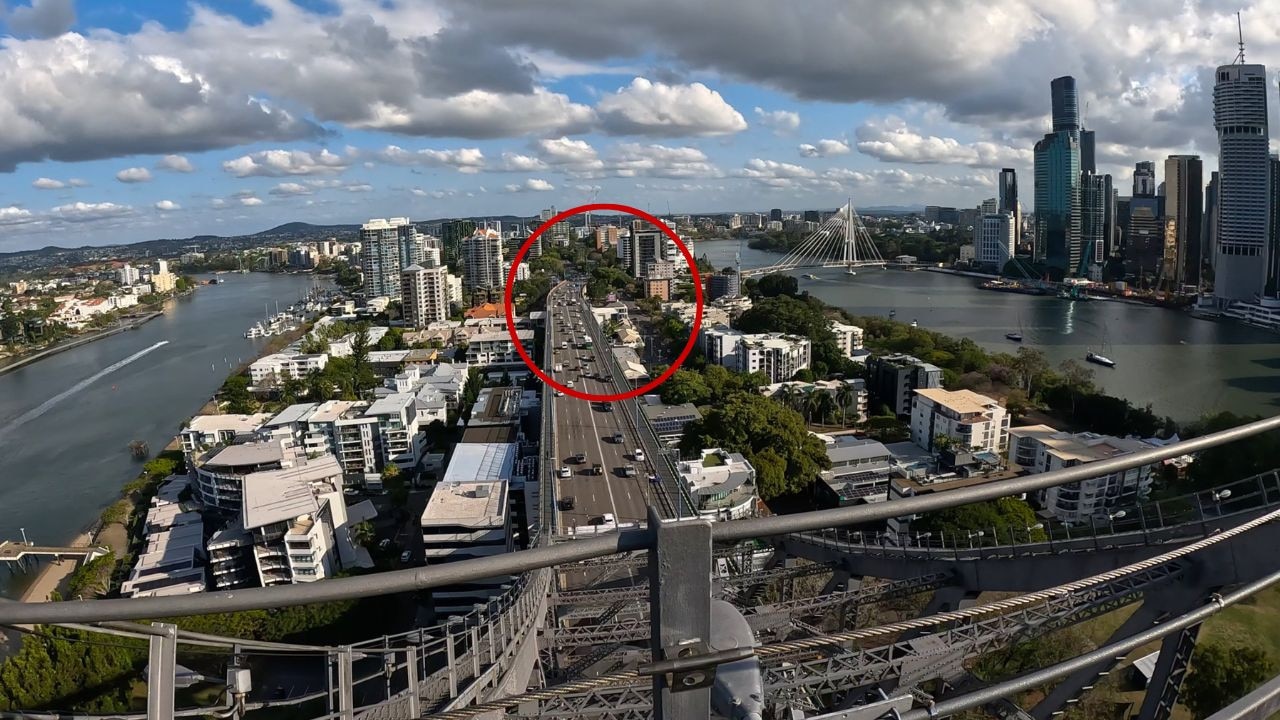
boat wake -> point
(48, 405)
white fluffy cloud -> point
(167, 205)
(250, 201)
(635, 159)
(890, 140)
(86, 212)
(134, 175)
(530, 185)
(45, 183)
(654, 108)
(781, 121)
(176, 163)
(824, 148)
(281, 163)
(464, 160)
(13, 215)
(290, 188)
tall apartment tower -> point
(1240, 117)
(1184, 207)
(426, 295)
(1144, 179)
(1008, 197)
(1088, 164)
(648, 245)
(381, 252)
(1097, 220)
(1057, 188)
(482, 261)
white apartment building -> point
(426, 295)
(171, 561)
(774, 354)
(468, 516)
(381, 256)
(282, 365)
(496, 347)
(482, 260)
(848, 337)
(364, 438)
(855, 388)
(397, 422)
(972, 421)
(128, 275)
(720, 345)
(455, 289)
(994, 236)
(293, 516)
(205, 431)
(722, 484)
(1040, 448)
(219, 475)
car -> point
(566, 503)
(653, 479)
(638, 454)
(565, 471)
(608, 406)
(597, 469)
(386, 543)
(580, 458)
(559, 393)
(628, 471)
(617, 438)
(569, 384)
(406, 556)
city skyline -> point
(468, 111)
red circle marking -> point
(510, 309)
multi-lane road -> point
(587, 432)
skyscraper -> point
(452, 233)
(426, 295)
(993, 240)
(1008, 196)
(647, 246)
(1057, 166)
(1144, 179)
(1066, 110)
(1184, 205)
(380, 256)
(1096, 218)
(482, 261)
(775, 215)
(1240, 116)
(1209, 228)
(1087, 162)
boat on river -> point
(1016, 337)
(1102, 360)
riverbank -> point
(133, 324)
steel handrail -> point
(414, 579)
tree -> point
(393, 481)
(1030, 365)
(290, 388)
(235, 393)
(1016, 403)
(362, 533)
(1077, 379)
(751, 424)
(362, 377)
(776, 284)
(845, 396)
(1007, 517)
(686, 386)
(1221, 675)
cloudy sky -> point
(127, 121)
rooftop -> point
(279, 495)
(249, 454)
(291, 414)
(467, 504)
(1081, 447)
(496, 406)
(480, 462)
(498, 336)
(656, 410)
(963, 402)
(390, 404)
(848, 449)
(237, 423)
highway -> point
(589, 428)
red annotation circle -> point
(510, 309)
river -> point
(66, 421)
(1182, 366)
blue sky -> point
(130, 121)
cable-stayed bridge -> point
(841, 241)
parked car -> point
(406, 556)
(386, 543)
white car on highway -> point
(638, 455)
(565, 471)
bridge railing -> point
(1166, 520)
(680, 554)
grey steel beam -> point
(1171, 668)
(680, 579)
(162, 663)
(951, 706)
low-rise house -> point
(668, 421)
(859, 473)
(722, 484)
(278, 366)
(496, 348)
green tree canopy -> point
(1220, 675)
(751, 424)
(1002, 516)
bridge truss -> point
(841, 241)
